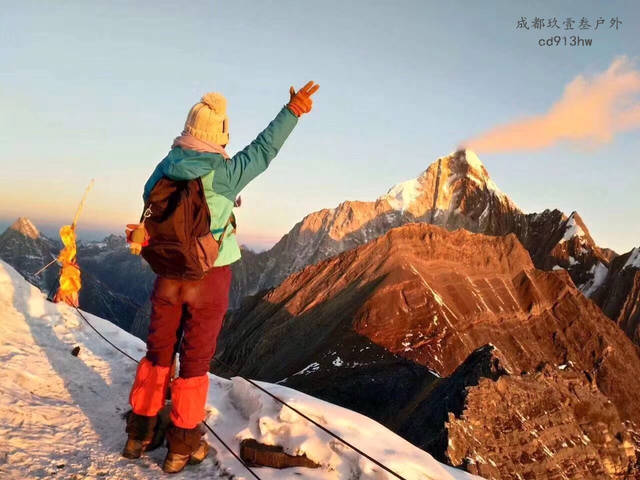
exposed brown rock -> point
(629, 316)
(274, 456)
(551, 424)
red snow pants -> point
(195, 309)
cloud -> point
(591, 111)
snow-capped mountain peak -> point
(575, 228)
(24, 226)
(445, 185)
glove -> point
(137, 237)
(301, 102)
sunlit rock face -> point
(550, 423)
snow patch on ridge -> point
(311, 368)
(402, 195)
(473, 160)
(634, 259)
(600, 272)
(572, 229)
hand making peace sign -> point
(301, 102)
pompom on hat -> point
(207, 119)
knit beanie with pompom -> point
(208, 121)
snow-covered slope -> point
(62, 415)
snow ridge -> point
(600, 272)
(62, 414)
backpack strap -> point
(231, 221)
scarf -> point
(189, 142)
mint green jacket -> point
(224, 179)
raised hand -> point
(300, 102)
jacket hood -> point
(181, 164)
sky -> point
(100, 89)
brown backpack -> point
(178, 220)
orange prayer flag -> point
(70, 282)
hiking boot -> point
(133, 448)
(141, 431)
(175, 462)
(186, 446)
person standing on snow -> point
(197, 307)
